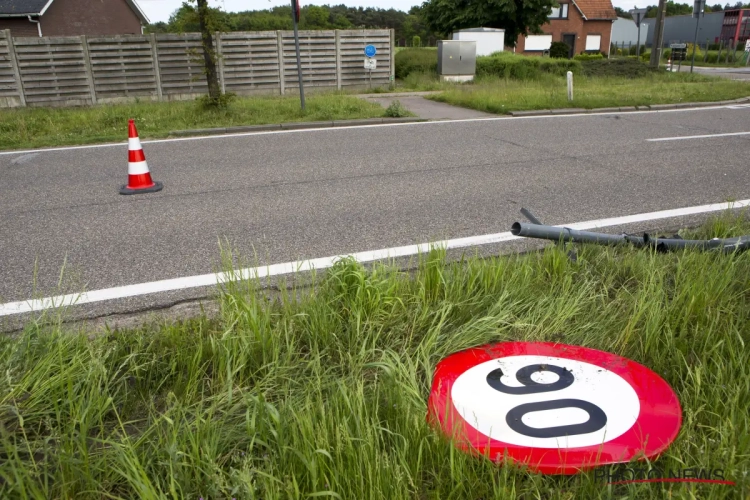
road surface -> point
(733, 73)
(280, 197)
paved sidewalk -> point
(426, 109)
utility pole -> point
(699, 7)
(658, 34)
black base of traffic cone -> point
(158, 186)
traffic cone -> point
(139, 177)
(669, 64)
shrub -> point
(523, 68)
(634, 50)
(416, 41)
(415, 61)
(559, 50)
(588, 57)
(396, 110)
(621, 68)
(698, 52)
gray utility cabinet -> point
(457, 57)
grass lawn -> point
(502, 96)
(42, 127)
(321, 393)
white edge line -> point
(682, 138)
(349, 127)
(169, 285)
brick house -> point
(584, 25)
(71, 17)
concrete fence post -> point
(337, 37)
(16, 69)
(157, 70)
(87, 68)
(280, 50)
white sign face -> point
(371, 64)
(545, 402)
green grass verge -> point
(42, 127)
(321, 393)
(502, 96)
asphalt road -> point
(286, 196)
(733, 73)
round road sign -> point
(558, 409)
(370, 51)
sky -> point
(160, 10)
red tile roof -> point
(596, 9)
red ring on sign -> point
(656, 427)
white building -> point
(488, 40)
(624, 31)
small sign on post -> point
(370, 51)
(638, 15)
(371, 64)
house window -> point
(593, 42)
(560, 12)
(538, 42)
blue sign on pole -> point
(370, 51)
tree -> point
(622, 13)
(516, 17)
(209, 53)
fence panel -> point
(122, 67)
(317, 56)
(353, 55)
(53, 71)
(251, 62)
(181, 65)
(9, 91)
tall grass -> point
(40, 127)
(501, 96)
(321, 393)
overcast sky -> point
(160, 10)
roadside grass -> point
(550, 92)
(42, 127)
(321, 392)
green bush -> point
(559, 50)
(621, 68)
(634, 50)
(505, 65)
(588, 57)
(396, 110)
(416, 41)
(415, 61)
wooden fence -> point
(66, 71)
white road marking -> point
(169, 285)
(682, 138)
(328, 129)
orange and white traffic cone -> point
(139, 177)
(669, 64)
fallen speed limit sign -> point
(556, 408)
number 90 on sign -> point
(558, 409)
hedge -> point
(622, 68)
(522, 67)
